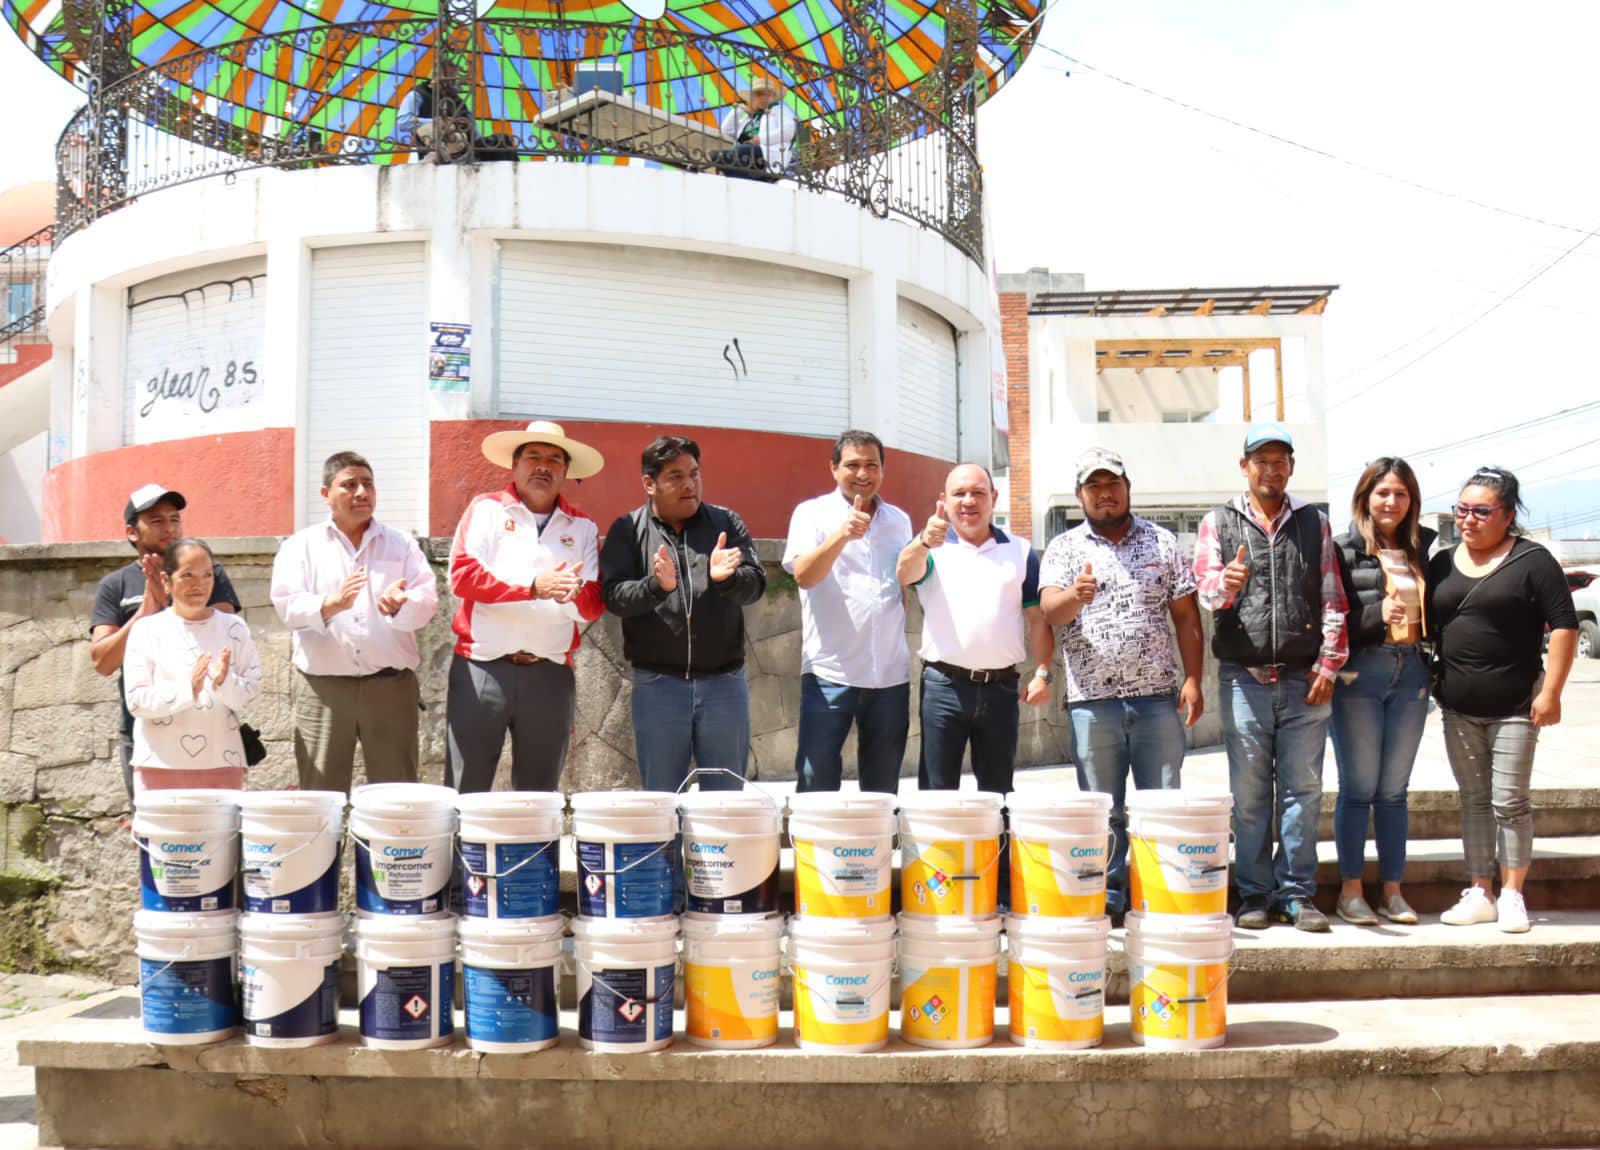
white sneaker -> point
(1513, 912)
(1475, 906)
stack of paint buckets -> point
(1179, 934)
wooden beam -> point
(1159, 310)
(1317, 308)
(1277, 363)
(1206, 308)
(1262, 308)
(1246, 366)
(1173, 362)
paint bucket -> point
(289, 973)
(1059, 852)
(290, 842)
(1178, 851)
(188, 978)
(510, 853)
(403, 833)
(732, 970)
(950, 853)
(1056, 981)
(406, 971)
(843, 853)
(842, 968)
(947, 981)
(730, 852)
(627, 852)
(1178, 979)
(188, 844)
(509, 970)
(626, 972)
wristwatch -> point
(1044, 673)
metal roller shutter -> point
(929, 382)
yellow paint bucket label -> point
(947, 1005)
(842, 878)
(733, 1002)
(1186, 875)
(1184, 1005)
(959, 877)
(1064, 878)
(846, 1008)
(1056, 1005)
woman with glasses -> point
(1380, 701)
(1490, 599)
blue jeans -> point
(1378, 716)
(956, 712)
(1108, 737)
(882, 716)
(1275, 742)
(676, 721)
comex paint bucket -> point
(842, 968)
(509, 969)
(1059, 845)
(730, 852)
(1178, 851)
(626, 978)
(1056, 981)
(188, 844)
(1178, 979)
(404, 834)
(732, 969)
(843, 854)
(626, 846)
(510, 853)
(290, 843)
(406, 970)
(947, 980)
(950, 853)
(289, 973)
(188, 981)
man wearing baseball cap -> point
(1112, 583)
(1268, 572)
(525, 565)
(153, 519)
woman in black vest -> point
(1490, 600)
(1380, 703)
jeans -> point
(1275, 742)
(1380, 704)
(956, 712)
(677, 721)
(882, 717)
(1492, 760)
(1108, 737)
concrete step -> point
(1436, 814)
(1496, 1071)
(1565, 874)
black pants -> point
(533, 701)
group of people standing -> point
(1311, 633)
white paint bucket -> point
(406, 970)
(730, 852)
(843, 853)
(509, 970)
(1178, 851)
(627, 852)
(188, 978)
(404, 835)
(842, 969)
(626, 973)
(950, 853)
(947, 981)
(289, 973)
(1178, 979)
(188, 844)
(290, 842)
(1060, 847)
(1056, 981)
(510, 853)
(732, 970)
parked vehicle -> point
(1585, 586)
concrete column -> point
(285, 355)
(975, 397)
(97, 363)
(872, 305)
(450, 279)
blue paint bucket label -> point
(514, 1007)
(625, 1006)
(291, 845)
(626, 880)
(511, 880)
(183, 876)
(409, 1003)
(275, 1008)
(403, 878)
(188, 999)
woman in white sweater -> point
(189, 671)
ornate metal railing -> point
(533, 90)
(22, 283)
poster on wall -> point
(450, 357)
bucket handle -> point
(1000, 853)
(255, 870)
(648, 1000)
(644, 858)
(1031, 851)
(182, 864)
(867, 993)
(687, 779)
(1194, 999)
(1035, 980)
(466, 866)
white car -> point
(1585, 586)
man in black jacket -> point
(678, 572)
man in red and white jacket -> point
(525, 566)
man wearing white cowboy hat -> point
(525, 565)
(762, 129)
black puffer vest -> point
(1277, 617)
(1365, 587)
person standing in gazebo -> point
(762, 129)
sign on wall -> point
(450, 357)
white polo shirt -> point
(853, 623)
(973, 598)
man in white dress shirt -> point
(354, 592)
(855, 667)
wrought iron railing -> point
(22, 284)
(531, 90)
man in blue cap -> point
(1267, 570)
